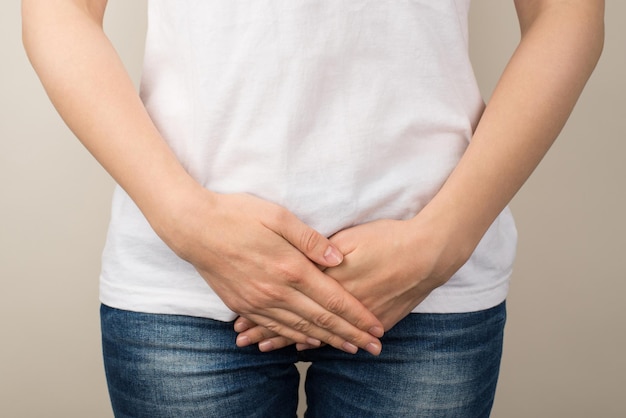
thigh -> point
(432, 366)
(178, 366)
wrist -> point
(178, 212)
(453, 232)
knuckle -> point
(273, 294)
(303, 326)
(254, 304)
(272, 327)
(262, 298)
(335, 304)
(291, 275)
(279, 216)
(270, 297)
(325, 320)
(309, 240)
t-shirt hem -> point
(169, 303)
(208, 305)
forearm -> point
(258, 257)
(530, 105)
(92, 91)
(561, 43)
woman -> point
(324, 171)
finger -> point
(254, 335)
(271, 329)
(337, 302)
(310, 242)
(243, 324)
(324, 326)
(304, 347)
(250, 333)
(269, 340)
(297, 315)
(276, 343)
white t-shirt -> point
(342, 111)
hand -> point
(260, 259)
(390, 266)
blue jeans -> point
(432, 365)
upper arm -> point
(42, 19)
(32, 9)
(529, 10)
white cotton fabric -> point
(342, 111)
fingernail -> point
(303, 347)
(313, 342)
(373, 349)
(240, 327)
(350, 348)
(377, 332)
(266, 345)
(333, 256)
(243, 341)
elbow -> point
(581, 20)
(33, 14)
(599, 34)
(26, 23)
(41, 16)
(593, 20)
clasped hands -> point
(264, 263)
(385, 266)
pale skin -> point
(265, 264)
(391, 266)
(259, 258)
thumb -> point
(310, 242)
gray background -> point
(565, 339)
